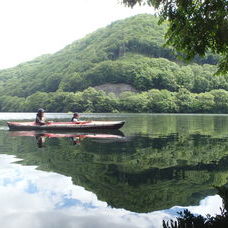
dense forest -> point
(129, 51)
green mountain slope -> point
(105, 44)
(128, 51)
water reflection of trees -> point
(142, 173)
(188, 220)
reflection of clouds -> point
(38, 199)
(210, 205)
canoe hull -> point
(82, 125)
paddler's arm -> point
(40, 120)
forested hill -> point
(128, 51)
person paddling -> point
(75, 117)
(40, 119)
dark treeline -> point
(92, 100)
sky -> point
(30, 28)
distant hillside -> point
(128, 51)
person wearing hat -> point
(75, 117)
(40, 119)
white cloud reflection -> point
(38, 199)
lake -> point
(156, 165)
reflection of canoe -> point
(81, 135)
(81, 125)
(76, 137)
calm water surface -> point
(155, 166)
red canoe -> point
(81, 125)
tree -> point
(204, 102)
(221, 100)
(161, 101)
(12, 104)
(132, 102)
(52, 82)
(98, 101)
(37, 100)
(72, 82)
(185, 100)
(195, 27)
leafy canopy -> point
(195, 26)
